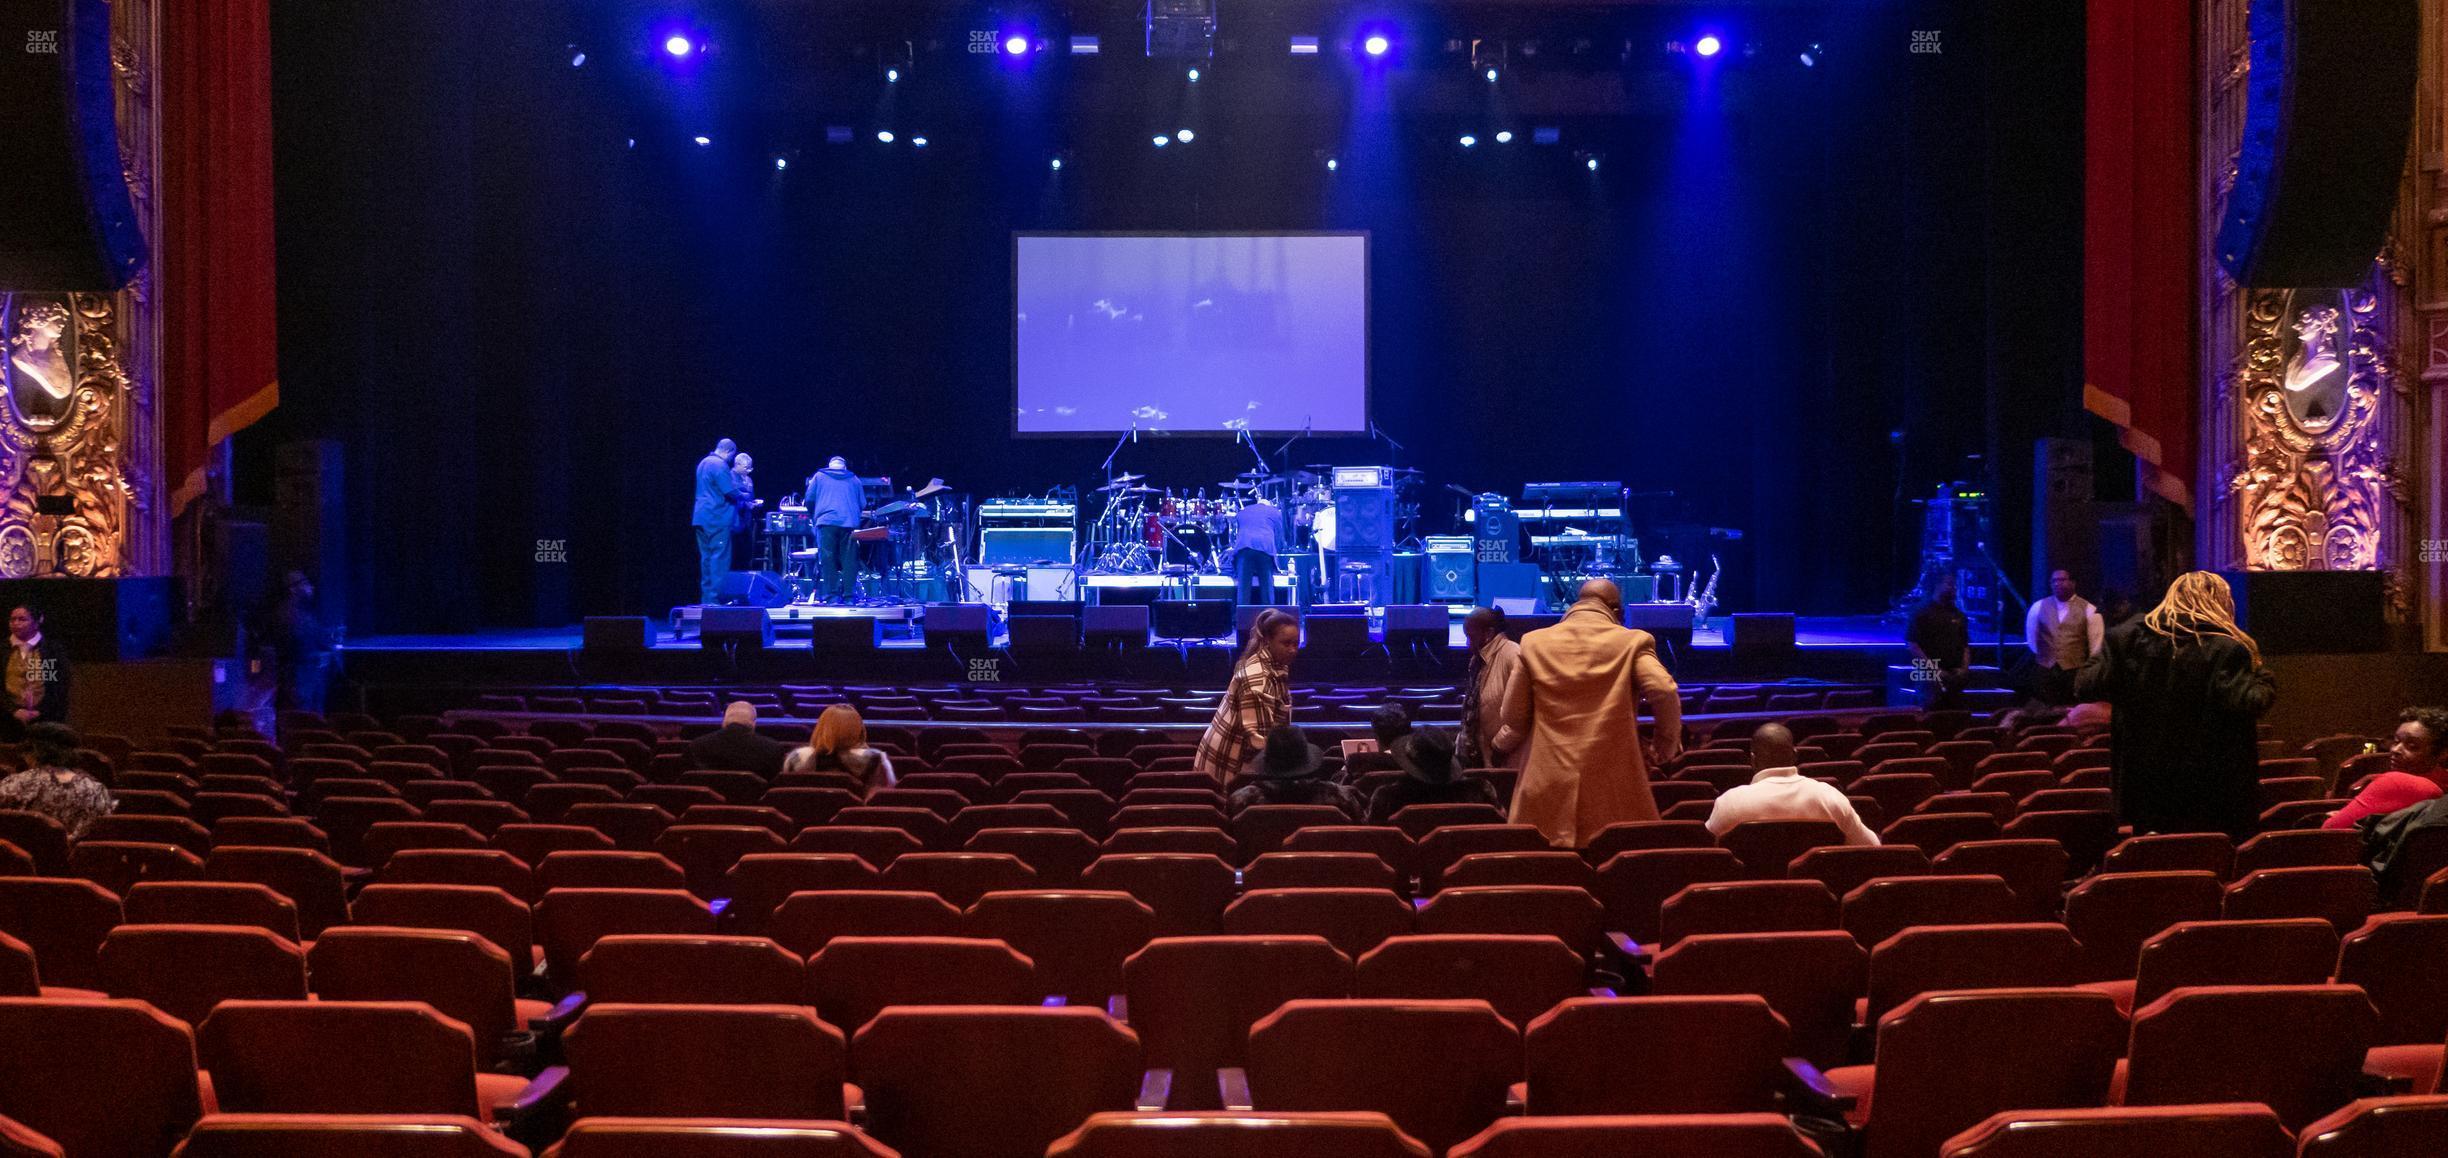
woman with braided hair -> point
(2186, 686)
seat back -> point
(2034, 869)
(463, 976)
(1845, 867)
(717, 1061)
(186, 970)
(490, 913)
(486, 867)
(691, 969)
(1552, 867)
(1567, 913)
(960, 878)
(2297, 1049)
(878, 845)
(312, 881)
(2340, 895)
(1927, 958)
(2299, 848)
(1651, 1136)
(211, 903)
(1193, 999)
(1810, 979)
(1882, 908)
(2301, 951)
(1634, 886)
(2208, 852)
(1520, 976)
(805, 921)
(119, 865)
(613, 869)
(2228, 1129)
(2380, 1128)
(706, 852)
(1352, 920)
(1766, 846)
(1057, 855)
(1321, 1135)
(1441, 848)
(713, 1138)
(338, 1057)
(1391, 845)
(761, 881)
(940, 1080)
(386, 1135)
(1948, 1060)
(1186, 891)
(38, 836)
(1777, 906)
(1340, 1055)
(2111, 914)
(96, 1076)
(1077, 938)
(1729, 1055)
(570, 921)
(1319, 870)
(2396, 957)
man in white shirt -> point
(2063, 631)
(1779, 791)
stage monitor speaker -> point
(69, 225)
(1364, 520)
(840, 634)
(1452, 575)
(1246, 617)
(1671, 623)
(1116, 625)
(1192, 618)
(1511, 581)
(1070, 607)
(2328, 106)
(1762, 635)
(959, 626)
(1335, 636)
(1044, 632)
(1527, 621)
(752, 589)
(618, 635)
(1412, 624)
(748, 627)
(2312, 612)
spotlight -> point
(1592, 163)
(1708, 46)
(1504, 136)
(1304, 46)
(884, 135)
(1491, 75)
(1333, 164)
(917, 142)
(1163, 140)
(1185, 136)
(1087, 46)
(1469, 140)
(1015, 45)
(1194, 75)
(781, 163)
(1055, 164)
(1376, 45)
(577, 58)
(678, 45)
(892, 76)
(703, 140)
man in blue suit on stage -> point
(712, 517)
(834, 499)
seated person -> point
(51, 785)
(1779, 791)
(1390, 725)
(2415, 772)
(736, 746)
(1289, 770)
(1427, 761)
(838, 743)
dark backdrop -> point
(525, 303)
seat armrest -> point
(1057, 1001)
(1232, 1088)
(854, 1104)
(1118, 1007)
(2371, 1085)
(540, 1111)
(1809, 1091)
(1155, 1089)
(563, 1012)
(1601, 991)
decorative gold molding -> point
(2316, 486)
(69, 448)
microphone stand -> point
(1283, 454)
(1251, 441)
(1998, 623)
(1394, 459)
(1131, 435)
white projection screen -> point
(1202, 333)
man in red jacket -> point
(2415, 773)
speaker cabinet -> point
(69, 225)
(842, 634)
(1763, 635)
(1193, 618)
(1335, 636)
(1246, 617)
(2328, 106)
(1116, 625)
(1453, 576)
(1364, 520)
(1511, 581)
(1418, 625)
(1671, 623)
(1044, 632)
(753, 589)
(749, 628)
(618, 635)
(2312, 612)
(961, 626)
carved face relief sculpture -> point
(40, 373)
(2315, 376)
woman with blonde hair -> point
(2186, 687)
(838, 743)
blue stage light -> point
(1333, 164)
(678, 45)
(577, 59)
(1708, 46)
(1376, 45)
(1469, 140)
(1504, 136)
(1015, 44)
(1163, 140)
(1055, 164)
(884, 135)
(1593, 164)
(892, 76)
(703, 140)
(1185, 136)
(1194, 75)
(918, 142)
(781, 163)
(1491, 75)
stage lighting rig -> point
(1181, 29)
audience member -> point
(1940, 639)
(51, 785)
(1495, 661)
(2062, 630)
(1290, 770)
(301, 646)
(1389, 725)
(2185, 685)
(1429, 777)
(838, 743)
(37, 675)
(736, 746)
(1779, 791)
(2415, 771)
(1577, 698)
(1259, 699)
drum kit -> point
(1142, 529)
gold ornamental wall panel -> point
(63, 447)
(2317, 489)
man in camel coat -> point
(1574, 699)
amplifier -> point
(1452, 572)
(1026, 511)
(1051, 584)
(1025, 545)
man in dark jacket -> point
(834, 500)
(736, 746)
(1427, 760)
(1290, 770)
(711, 514)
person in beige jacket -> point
(1574, 699)
(1495, 665)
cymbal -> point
(1255, 475)
(890, 509)
(934, 486)
(1122, 483)
(1236, 485)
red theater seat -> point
(806, 921)
(2342, 896)
(960, 878)
(1186, 891)
(1057, 855)
(2112, 914)
(713, 1138)
(761, 881)
(485, 867)
(852, 979)
(691, 969)
(120, 865)
(1349, 1055)
(2297, 1049)
(2228, 1130)
(2291, 952)
(187, 970)
(98, 1077)
(1634, 886)
(1520, 976)
(1318, 870)
(1747, 907)
(875, 844)
(942, 1080)
(1353, 920)
(1927, 958)
(1078, 939)
(313, 882)
(608, 870)
(732, 1061)
(1727, 1055)
(2380, 1128)
(463, 976)
(1192, 1000)
(211, 903)
(375, 1136)
(1882, 908)
(570, 921)
(2396, 958)
(1319, 1135)
(1569, 914)
(348, 1057)
(492, 914)
(1662, 1136)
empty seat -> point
(2380, 1128)
(958, 877)
(1320, 1135)
(1747, 907)
(1652, 1136)
(1057, 855)
(531, 843)
(171, 830)
(1078, 939)
(1635, 835)
(1727, 1056)
(1418, 820)
(1927, 958)
(2395, 958)
(1881, 908)
(313, 882)
(269, 832)
(690, 969)
(1843, 868)
(211, 903)
(386, 1135)
(1634, 886)
(1353, 920)
(118, 865)
(2297, 1049)
(387, 839)
(1391, 845)
(98, 1077)
(1936, 832)
(805, 921)
(1263, 828)
(877, 845)
(761, 881)
(346, 1057)
(2299, 848)
(851, 979)
(608, 1137)
(737, 1061)
(1338, 1055)
(570, 921)
(186, 970)
(2112, 913)
(461, 975)
(1187, 892)
(1812, 980)
(1555, 867)
(940, 1080)
(1192, 1000)
(2226, 1129)
(490, 913)
(2340, 895)
(1520, 976)
(2034, 869)
(1319, 870)
(608, 870)
(1445, 846)
(485, 867)
(705, 852)
(2301, 951)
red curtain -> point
(2139, 239)
(214, 253)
